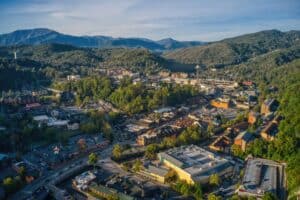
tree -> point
(169, 142)
(237, 151)
(22, 172)
(151, 151)
(212, 196)
(269, 196)
(10, 184)
(137, 166)
(235, 197)
(117, 152)
(214, 180)
(93, 159)
(198, 193)
(107, 131)
(89, 127)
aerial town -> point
(149, 100)
(195, 148)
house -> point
(268, 106)
(271, 130)
(222, 143)
(243, 139)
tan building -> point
(194, 164)
(155, 173)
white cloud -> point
(189, 19)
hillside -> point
(46, 36)
(58, 60)
(235, 50)
(270, 69)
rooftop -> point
(246, 136)
(196, 161)
(261, 176)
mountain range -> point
(46, 36)
(235, 50)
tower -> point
(15, 55)
(197, 74)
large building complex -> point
(262, 176)
(194, 164)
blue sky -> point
(205, 20)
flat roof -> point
(157, 170)
(195, 160)
(261, 176)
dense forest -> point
(235, 50)
(128, 97)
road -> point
(26, 192)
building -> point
(271, 130)
(164, 74)
(263, 176)
(57, 123)
(156, 135)
(243, 139)
(222, 143)
(82, 181)
(107, 192)
(220, 103)
(179, 75)
(194, 164)
(252, 117)
(73, 126)
(41, 119)
(73, 77)
(268, 106)
(155, 173)
(240, 127)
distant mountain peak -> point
(44, 36)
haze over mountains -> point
(45, 36)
